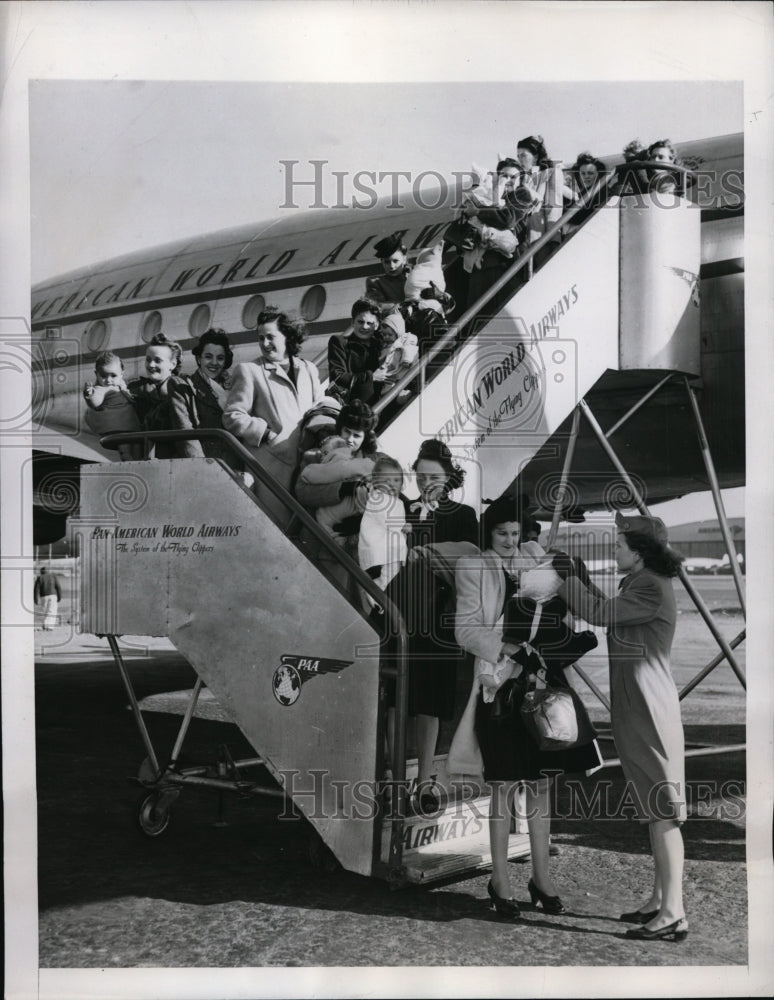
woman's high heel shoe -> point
(507, 908)
(638, 917)
(677, 931)
(551, 904)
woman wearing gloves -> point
(645, 714)
(485, 583)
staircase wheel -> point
(154, 813)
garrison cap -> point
(654, 527)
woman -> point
(151, 393)
(494, 232)
(544, 179)
(662, 179)
(355, 423)
(199, 402)
(510, 755)
(646, 722)
(268, 399)
(438, 524)
(583, 177)
(353, 359)
(387, 289)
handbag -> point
(506, 700)
(556, 718)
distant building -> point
(594, 541)
(703, 539)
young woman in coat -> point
(647, 727)
(354, 357)
(436, 522)
(510, 755)
(199, 402)
(152, 392)
(269, 397)
(388, 288)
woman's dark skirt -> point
(433, 655)
(511, 754)
(432, 680)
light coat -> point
(263, 398)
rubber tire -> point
(152, 820)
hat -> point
(387, 246)
(396, 323)
(508, 507)
(653, 527)
(357, 415)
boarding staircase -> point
(182, 549)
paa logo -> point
(294, 671)
(692, 279)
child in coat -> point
(336, 518)
(382, 546)
(110, 405)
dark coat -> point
(193, 404)
(46, 585)
(153, 409)
(387, 290)
(351, 365)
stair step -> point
(455, 840)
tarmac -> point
(244, 894)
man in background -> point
(48, 594)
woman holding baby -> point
(485, 583)
(354, 358)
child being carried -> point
(339, 519)
(382, 546)
(110, 405)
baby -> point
(490, 213)
(382, 547)
(110, 404)
(535, 615)
(401, 346)
(336, 452)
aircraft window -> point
(251, 311)
(96, 336)
(151, 325)
(313, 302)
(200, 320)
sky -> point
(116, 166)
(120, 165)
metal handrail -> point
(589, 199)
(420, 368)
(394, 619)
(633, 165)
